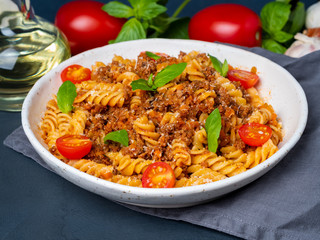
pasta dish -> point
(166, 124)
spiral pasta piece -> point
(106, 94)
(132, 181)
(194, 71)
(50, 120)
(168, 117)
(128, 166)
(127, 77)
(95, 169)
(235, 93)
(78, 122)
(199, 140)
(203, 94)
(256, 101)
(217, 163)
(181, 155)
(201, 175)
(63, 123)
(252, 158)
(146, 129)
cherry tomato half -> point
(73, 146)
(255, 134)
(229, 23)
(158, 175)
(86, 25)
(75, 73)
(246, 78)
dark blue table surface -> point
(37, 204)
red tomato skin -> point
(228, 23)
(168, 175)
(73, 152)
(86, 25)
(247, 79)
(260, 134)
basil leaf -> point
(273, 46)
(281, 36)
(159, 24)
(216, 64)
(131, 30)
(120, 136)
(178, 29)
(274, 16)
(65, 96)
(118, 9)
(150, 81)
(219, 67)
(147, 9)
(141, 84)
(296, 20)
(213, 128)
(168, 74)
(152, 55)
(225, 68)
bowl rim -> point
(169, 192)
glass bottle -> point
(29, 48)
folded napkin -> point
(282, 204)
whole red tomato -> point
(228, 23)
(86, 25)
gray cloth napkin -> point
(284, 203)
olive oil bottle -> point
(29, 48)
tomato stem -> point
(180, 8)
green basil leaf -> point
(147, 9)
(142, 85)
(120, 136)
(131, 30)
(137, 3)
(118, 9)
(281, 36)
(178, 29)
(152, 10)
(150, 80)
(216, 63)
(213, 128)
(168, 74)
(152, 55)
(225, 68)
(65, 96)
(296, 20)
(159, 24)
(218, 66)
(274, 16)
(273, 46)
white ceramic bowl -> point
(277, 87)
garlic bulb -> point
(303, 46)
(313, 16)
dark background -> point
(37, 204)
(48, 9)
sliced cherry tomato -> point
(158, 175)
(75, 73)
(246, 78)
(74, 146)
(255, 134)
